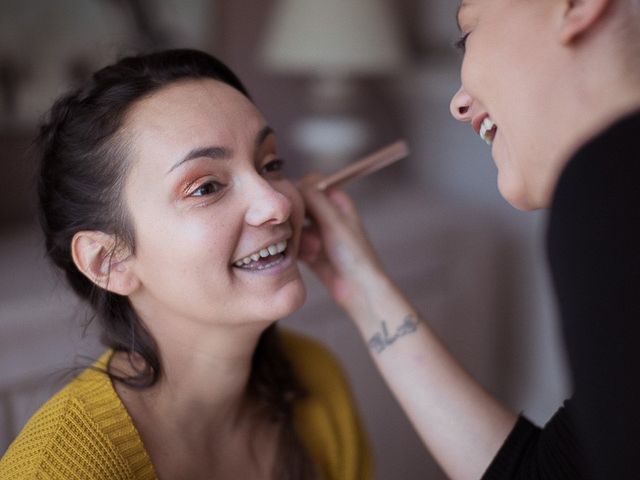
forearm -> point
(461, 424)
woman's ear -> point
(580, 16)
(104, 261)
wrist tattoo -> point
(381, 340)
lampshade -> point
(332, 37)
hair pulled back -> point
(82, 171)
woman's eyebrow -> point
(215, 153)
(219, 153)
(263, 134)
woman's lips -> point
(272, 265)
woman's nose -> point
(461, 106)
(266, 204)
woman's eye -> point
(462, 43)
(207, 188)
(274, 166)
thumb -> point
(322, 208)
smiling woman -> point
(163, 201)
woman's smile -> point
(271, 265)
(271, 259)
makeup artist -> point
(554, 87)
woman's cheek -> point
(297, 203)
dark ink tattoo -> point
(381, 340)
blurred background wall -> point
(473, 264)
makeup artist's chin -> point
(514, 192)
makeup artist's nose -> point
(461, 106)
(266, 205)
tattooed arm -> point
(459, 422)
(382, 340)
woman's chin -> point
(288, 301)
(297, 298)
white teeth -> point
(487, 130)
(274, 249)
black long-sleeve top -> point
(593, 246)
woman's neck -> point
(202, 389)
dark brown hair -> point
(83, 165)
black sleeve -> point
(594, 254)
(533, 453)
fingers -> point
(310, 245)
(343, 202)
(321, 209)
(330, 209)
(312, 253)
(335, 246)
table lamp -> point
(333, 43)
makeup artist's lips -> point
(485, 127)
(476, 123)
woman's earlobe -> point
(579, 17)
(99, 258)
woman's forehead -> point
(192, 97)
(191, 108)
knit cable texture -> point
(83, 432)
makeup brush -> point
(369, 164)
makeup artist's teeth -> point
(488, 130)
(269, 251)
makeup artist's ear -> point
(579, 17)
(105, 262)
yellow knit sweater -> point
(84, 431)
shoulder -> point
(606, 167)
(318, 369)
(313, 362)
(81, 430)
(597, 194)
(327, 419)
